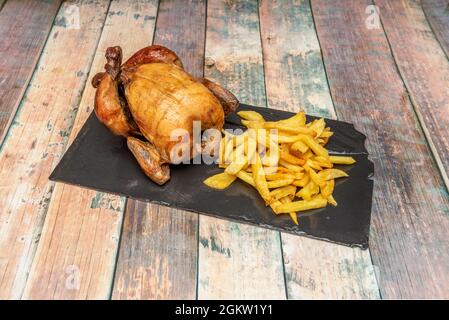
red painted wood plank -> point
(437, 12)
(158, 251)
(24, 27)
(410, 218)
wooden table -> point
(388, 76)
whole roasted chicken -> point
(150, 96)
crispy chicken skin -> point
(110, 107)
(149, 97)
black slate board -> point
(99, 160)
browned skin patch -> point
(149, 160)
(110, 108)
(228, 101)
(150, 54)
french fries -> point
(291, 169)
(302, 205)
(250, 115)
(341, 160)
(259, 178)
(220, 181)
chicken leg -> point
(112, 110)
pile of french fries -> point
(285, 160)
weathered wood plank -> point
(236, 260)
(425, 71)
(79, 244)
(24, 26)
(294, 72)
(295, 80)
(437, 13)
(37, 139)
(158, 251)
(409, 243)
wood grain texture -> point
(410, 215)
(236, 260)
(425, 71)
(295, 80)
(24, 26)
(294, 71)
(158, 252)
(437, 13)
(79, 243)
(37, 139)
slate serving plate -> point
(99, 160)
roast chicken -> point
(151, 95)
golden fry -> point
(316, 178)
(315, 146)
(292, 130)
(329, 174)
(328, 188)
(250, 148)
(220, 181)
(259, 178)
(294, 217)
(323, 141)
(252, 124)
(285, 155)
(309, 154)
(323, 162)
(279, 183)
(292, 214)
(229, 150)
(298, 119)
(250, 115)
(298, 175)
(299, 147)
(331, 201)
(302, 182)
(270, 170)
(274, 205)
(288, 139)
(326, 134)
(221, 154)
(245, 176)
(239, 161)
(290, 166)
(312, 164)
(279, 176)
(271, 158)
(283, 192)
(318, 126)
(302, 205)
(341, 160)
(284, 170)
(310, 190)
